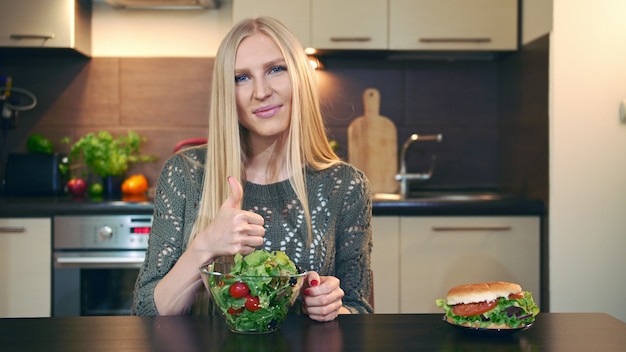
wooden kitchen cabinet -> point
(25, 267)
(446, 25)
(295, 14)
(386, 263)
(46, 24)
(437, 253)
(349, 24)
(453, 25)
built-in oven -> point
(96, 263)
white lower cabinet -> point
(25, 267)
(386, 263)
(417, 259)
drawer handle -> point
(350, 39)
(12, 229)
(473, 228)
(31, 36)
(455, 40)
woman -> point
(265, 129)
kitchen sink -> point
(446, 196)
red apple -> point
(77, 186)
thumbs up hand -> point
(236, 195)
(233, 230)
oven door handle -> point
(99, 261)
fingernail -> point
(314, 282)
(307, 292)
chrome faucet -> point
(405, 177)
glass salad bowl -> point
(251, 303)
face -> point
(262, 88)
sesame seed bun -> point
(481, 292)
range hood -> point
(165, 4)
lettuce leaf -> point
(264, 263)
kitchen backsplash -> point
(473, 103)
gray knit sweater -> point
(341, 210)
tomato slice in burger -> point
(469, 309)
(518, 295)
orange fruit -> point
(135, 184)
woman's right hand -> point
(233, 230)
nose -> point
(262, 88)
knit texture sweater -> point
(340, 208)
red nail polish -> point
(314, 282)
(307, 291)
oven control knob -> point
(105, 233)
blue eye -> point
(240, 78)
(278, 68)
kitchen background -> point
(473, 102)
(540, 122)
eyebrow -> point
(279, 61)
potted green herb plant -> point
(108, 157)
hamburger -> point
(489, 305)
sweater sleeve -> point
(354, 243)
(166, 241)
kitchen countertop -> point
(458, 205)
(67, 205)
(426, 206)
(356, 332)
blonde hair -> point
(307, 143)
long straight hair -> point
(306, 144)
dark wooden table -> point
(376, 332)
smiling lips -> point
(267, 111)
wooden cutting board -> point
(373, 145)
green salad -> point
(259, 290)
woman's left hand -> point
(322, 296)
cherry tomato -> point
(238, 290)
(469, 309)
(233, 311)
(252, 303)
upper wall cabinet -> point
(445, 25)
(46, 24)
(453, 25)
(349, 24)
(295, 14)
